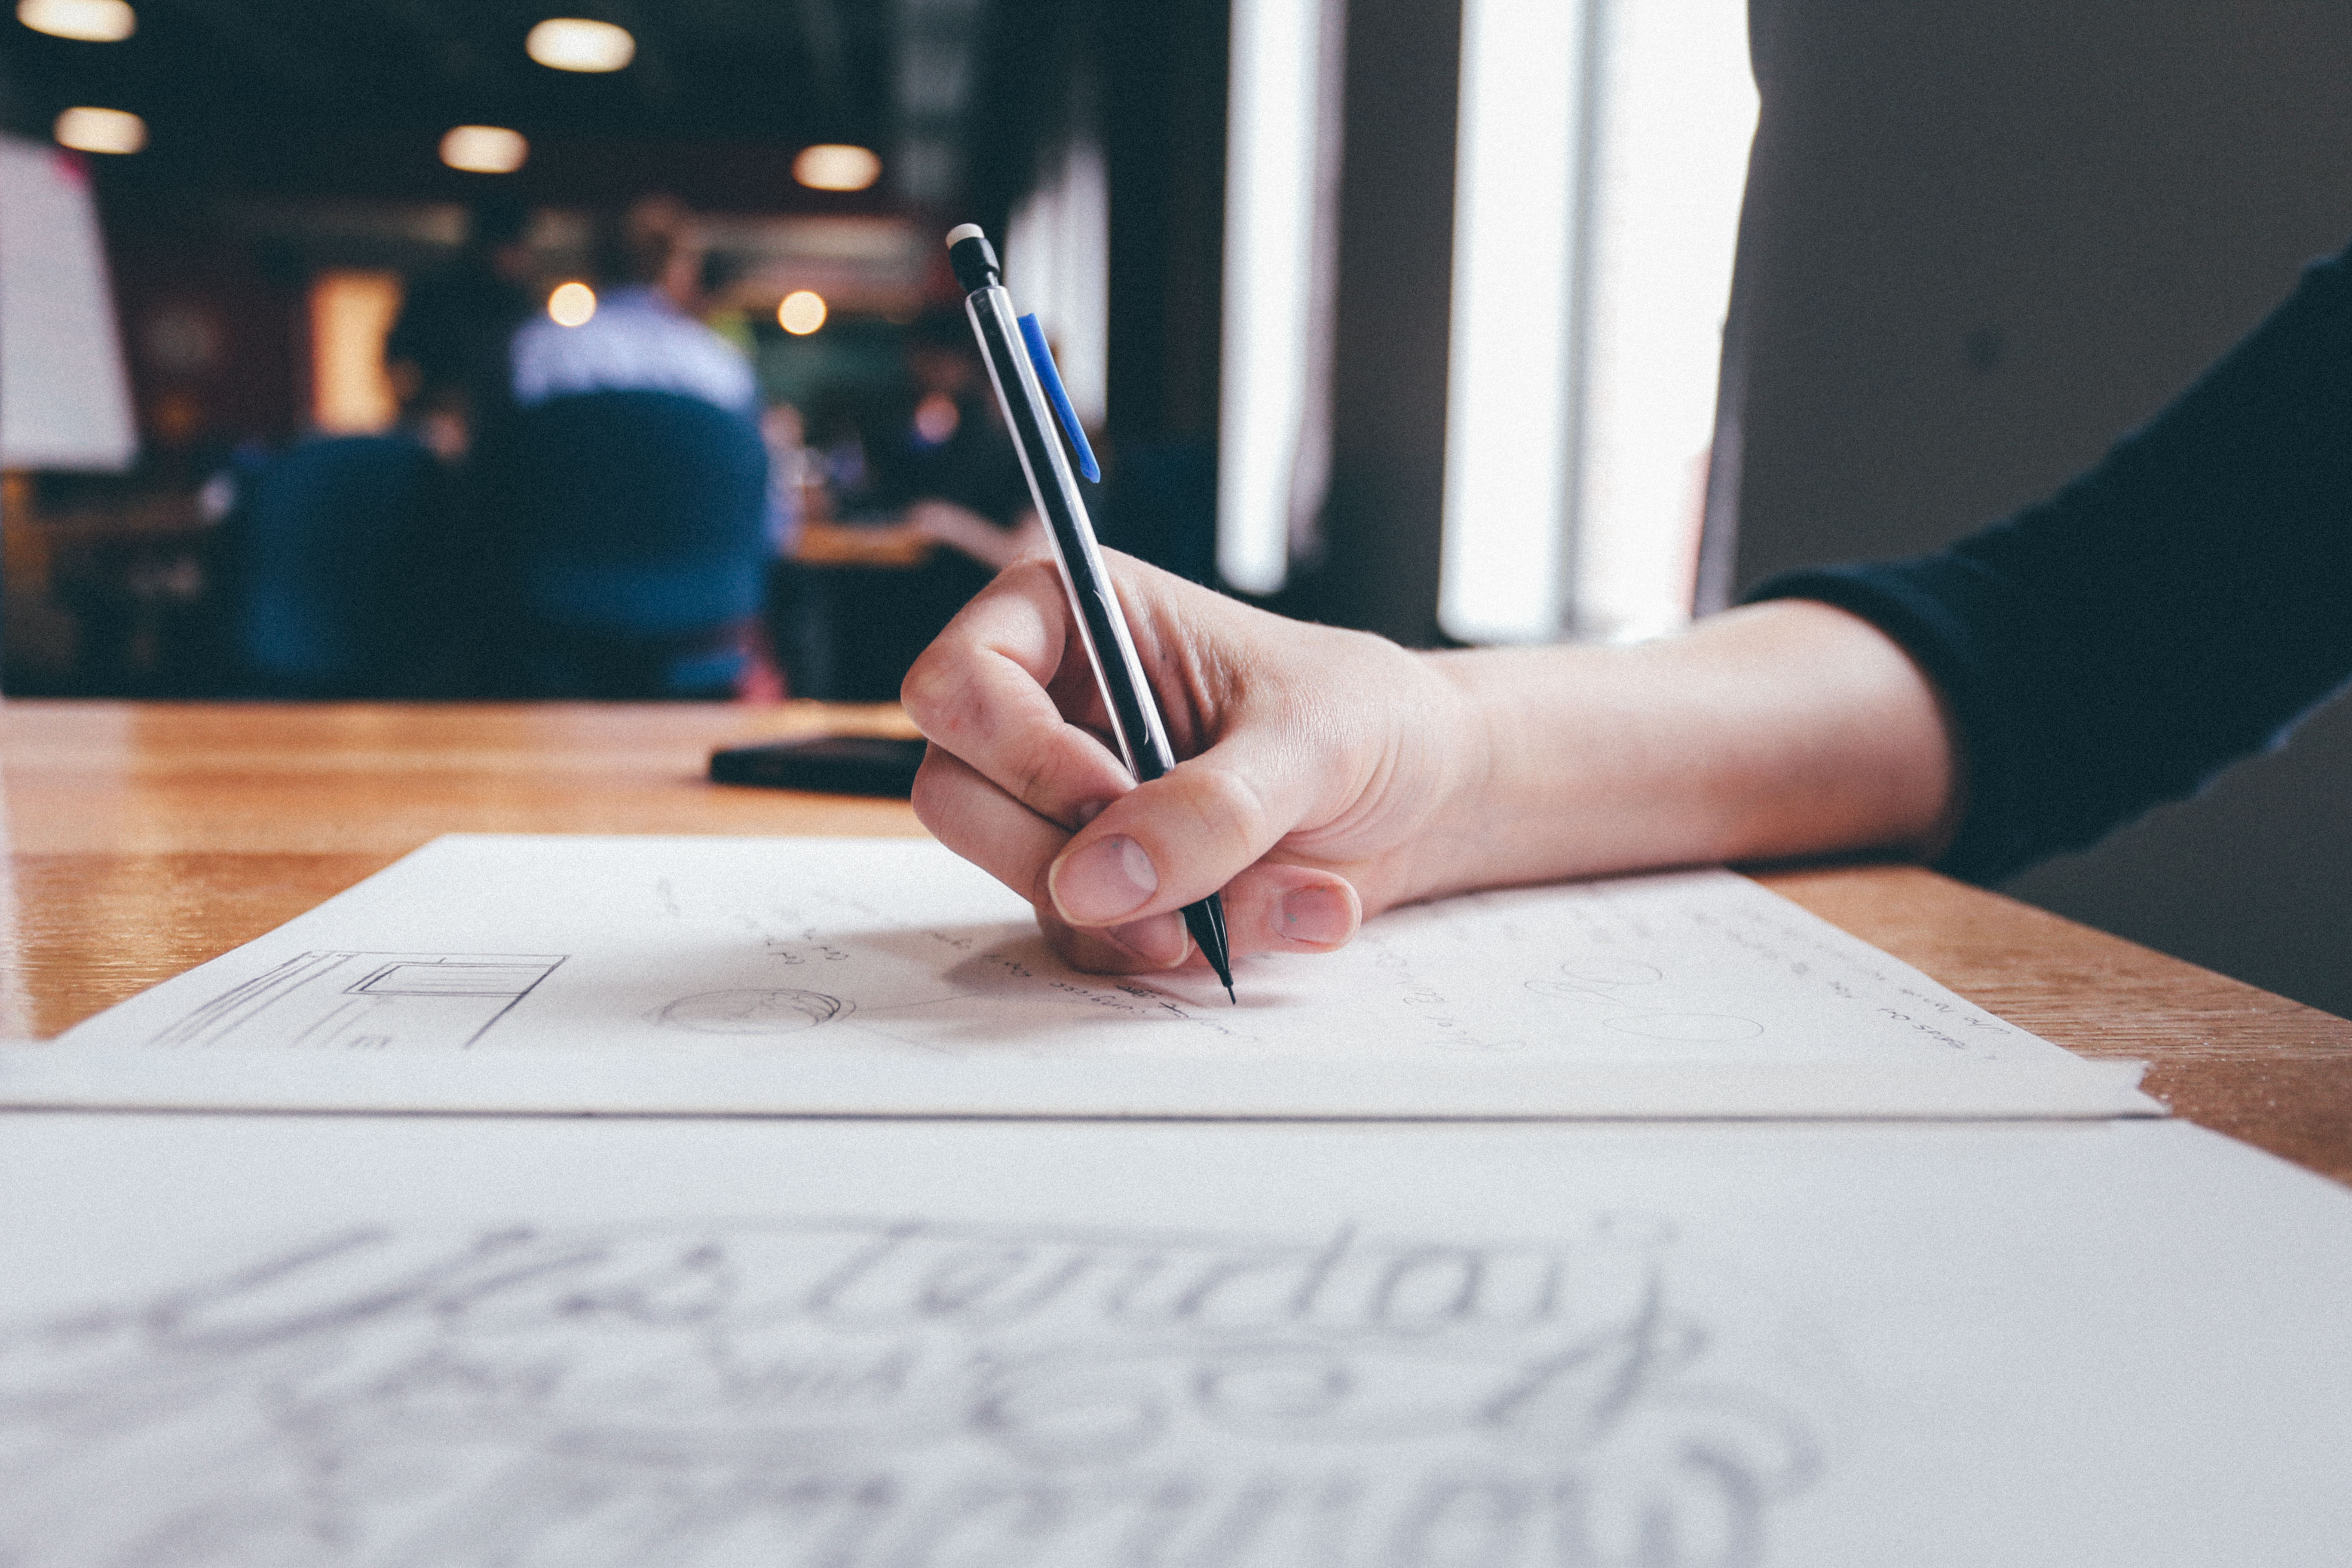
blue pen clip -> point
(1042, 358)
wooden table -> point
(144, 838)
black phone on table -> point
(827, 764)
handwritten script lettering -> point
(841, 1394)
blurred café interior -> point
(409, 349)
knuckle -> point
(931, 792)
(1034, 572)
(932, 682)
(1229, 807)
(1032, 776)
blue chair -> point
(328, 555)
(635, 528)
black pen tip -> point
(1206, 921)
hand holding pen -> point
(1321, 765)
(1290, 814)
(1021, 367)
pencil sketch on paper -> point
(781, 1011)
(366, 1000)
(1623, 990)
(849, 975)
(851, 1393)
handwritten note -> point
(540, 1344)
(888, 976)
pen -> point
(1023, 380)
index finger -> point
(990, 690)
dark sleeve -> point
(2177, 607)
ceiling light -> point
(92, 21)
(830, 166)
(102, 131)
(571, 304)
(802, 312)
(484, 149)
(576, 43)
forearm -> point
(2178, 606)
(1783, 731)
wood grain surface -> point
(145, 838)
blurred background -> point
(414, 349)
(421, 348)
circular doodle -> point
(1685, 1026)
(1074, 1415)
(756, 1012)
(1601, 971)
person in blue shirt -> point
(642, 337)
(2023, 692)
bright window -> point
(1601, 156)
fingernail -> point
(1319, 915)
(1160, 941)
(1090, 810)
(1103, 881)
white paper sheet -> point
(885, 976)
(550, 1343)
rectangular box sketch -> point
(366, 1000)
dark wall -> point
(215, 334)
(1163, 117)
(1379, 570)
(1984, 238)
(1163, 108)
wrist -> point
(1524, 801)
(1599, 759)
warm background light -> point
(102, 131)
(484, 149)
(802, 312)
(91, 21)
(577, 44)
(351, 312)
(571, 304)
(831, 166)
